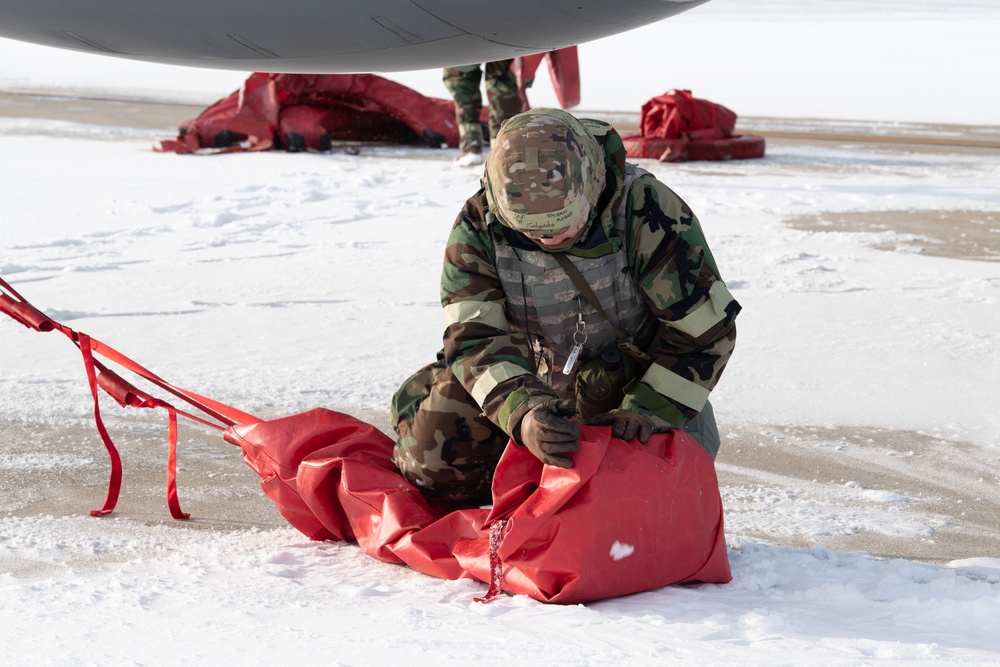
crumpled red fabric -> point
(294, 111)
(626, 518)
(678, 127)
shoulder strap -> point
(624, 342)
(585, 289)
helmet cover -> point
(544, 173)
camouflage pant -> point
(450, 450)
(446, 446)
(501, 93)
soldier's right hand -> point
(547, 433)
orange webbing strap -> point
(98, 375)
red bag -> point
(626, 518)
(678, 127)
(677, 113)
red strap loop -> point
(124, 393)
(226, 414)
(25, 313)
(128, 396)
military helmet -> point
(544, 173)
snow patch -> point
(620, 551)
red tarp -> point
(678, 127)
(626, 518)
(309, 111)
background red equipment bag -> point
(678, 113)
(626, 518)
(358, 107)
(678, 127)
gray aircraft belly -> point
(328, 36)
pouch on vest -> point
(601, 382)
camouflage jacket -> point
(668, 259)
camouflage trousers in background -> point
(501, 93)
(448, 449)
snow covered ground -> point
(279, 282)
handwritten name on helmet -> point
(544, 173)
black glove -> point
(626, 425)
(546, 432)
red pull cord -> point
(172, 501)
(125, 394)
(115, 483)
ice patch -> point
(982, 568)
(885, 496)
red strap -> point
(5, 286)
(128, 396)
(496, 567)
(172, 502)
(17, 307)
(115, 483)
(224, 413)
(25, 313)
(31, 317)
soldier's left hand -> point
(627, 425)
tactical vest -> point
(543, 303)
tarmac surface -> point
(957, 485)
(969, 235)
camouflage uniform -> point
(454, 416)
(501, 93)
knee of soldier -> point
(411, 466)
(420, 459)
(439, 480)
